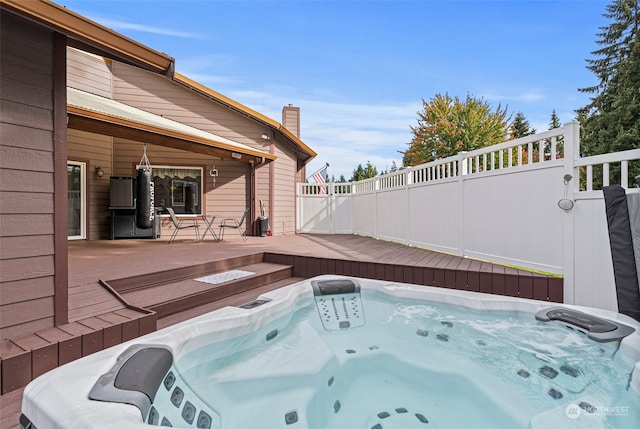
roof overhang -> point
(100, 115)
(304, 151)
(91, 36)
(87, 35)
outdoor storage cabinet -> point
(123, 225)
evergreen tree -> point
(554, 122)
(394, 167)
(370, 170)
(447, 126)
(366, 172)
(611, 121)
(358, 174)
(520, 127)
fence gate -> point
(324, 208)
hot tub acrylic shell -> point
(60, 398)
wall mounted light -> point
(265, 137)
(214, 174)
(565, 204)
(99, 172)
(236, 155)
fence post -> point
(298, 207)
(462, 171)
(331, 206)
(571, 153)
(407, 217)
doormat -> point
(224, 277)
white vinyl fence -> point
(500, 203)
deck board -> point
(10, 404)
(235, 300)
(149, 297)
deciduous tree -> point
(448, 125)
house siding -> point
(27, 283)
(284, 192)
(88, 73)
(161, 96)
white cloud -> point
(529, 95)
(119, 25)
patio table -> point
(209, 219)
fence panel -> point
(593, 266)
(364, 214)
(514, 218)
(434, 213)
(342, 207)
(391, 223)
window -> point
(179, 188)
(76, 206)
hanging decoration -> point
(145, 210)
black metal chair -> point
(178, 225)
(234, 224)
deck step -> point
(173, 275)
(178, 296)
(233, 300)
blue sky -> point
(359, 69)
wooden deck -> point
(100, 315)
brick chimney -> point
(291, 119)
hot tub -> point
(339, 352)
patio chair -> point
(234, 224)
(178, 225)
